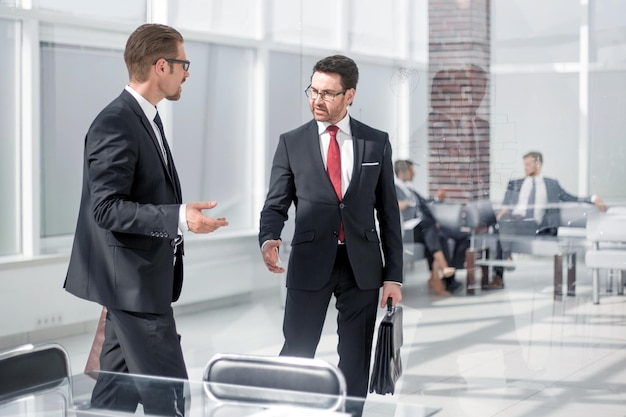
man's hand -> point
(198, 222)
(599, 204)
(393, 290)
(270, 256)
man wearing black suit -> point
(531, 203)
(128, 250)
(336, 249)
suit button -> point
(341, 205)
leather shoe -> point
(496, 283)
(436, 287)
(452, 284)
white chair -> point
(29, 373)
(234, 379)
(607, 233)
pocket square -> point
(370, 164)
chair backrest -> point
(479, 214)
(606, 227)
(29, 370)
(273, 380)
(448, 214)
(575, 214)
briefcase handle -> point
(390, 307)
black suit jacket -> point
(298, 175)
(556, 194)
(421, 209)
(122, 255)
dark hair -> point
(401, 165)
(342, 65)
(146, 45)
(534, 155)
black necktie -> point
(530, 207)
(162, 142)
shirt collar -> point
(343, 125)
(149, 110)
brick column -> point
(458, 125)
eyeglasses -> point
(328, 96)
(184, 62)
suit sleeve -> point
(511, 196)
(112, 155)
(280, 195)
(565, 196)
(389, 219)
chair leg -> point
(558, 276)
(470, 267)
(571, 274)
(596, 286)
(609, 280)
(620, 283)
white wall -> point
(35, 306)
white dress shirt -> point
(541, 198)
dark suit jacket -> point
(422, 209)
(556, 194)
(122, 255)
(298, 175)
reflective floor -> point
(507, 353)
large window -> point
(307, 23)
(557, 88)
(213, 131)
(76, 83)
(226, 17)
(10, 134)
(110, 10)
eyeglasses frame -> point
(184, 62)
(323, 94)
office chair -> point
(607, 234)
(481, 220)
(274, 381)
(35, 371)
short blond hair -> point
(146, 45)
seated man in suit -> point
(427, 231)
(530, 205)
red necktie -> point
(333, 166)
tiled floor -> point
(508, 353)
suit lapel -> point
(358, 145)
(170, 173)
(313, 148)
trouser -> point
(145, 345)
(305, 312)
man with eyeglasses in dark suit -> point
(336, 248)
(128, 250)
